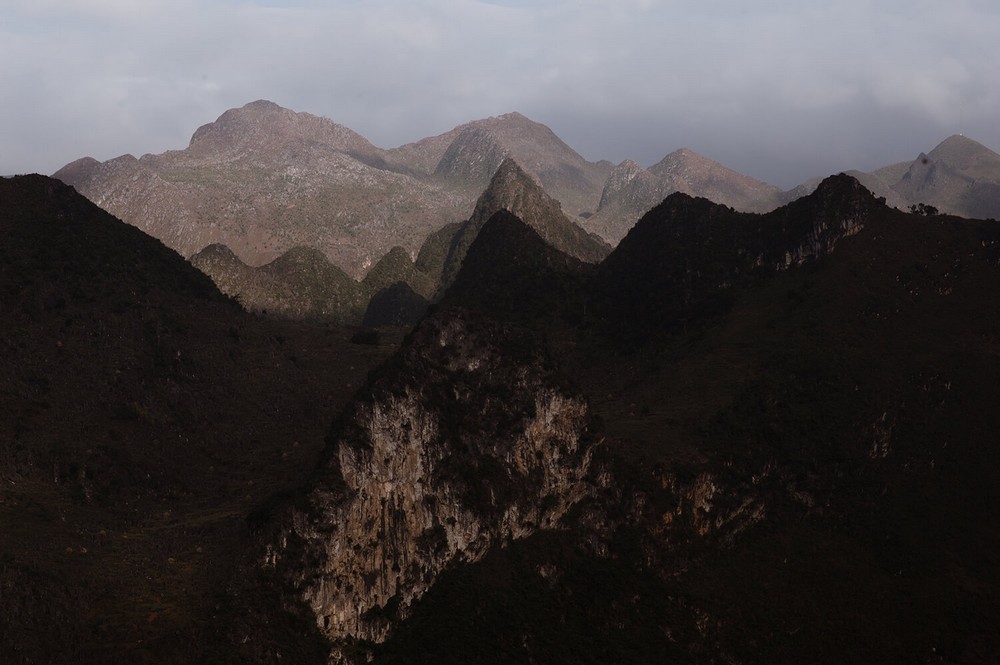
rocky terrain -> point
(958, 177)
(303, 284)
(771, 427)
(263, 181)
(741, 438)
(631, 190)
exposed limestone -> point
(457, 451)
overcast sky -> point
(779, 89)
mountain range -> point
(264, 180)
(302, 283)
(742, 438)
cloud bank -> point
(778, 89)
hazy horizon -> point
(781, 91)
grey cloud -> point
(781, 90)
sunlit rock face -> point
(466, 441)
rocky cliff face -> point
(465, 443)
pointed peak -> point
(685, 152)
(514, 189)
(961, 152)
(681, 203)
(508, 171)
(841, 194)
(960, 140)
(840, 182)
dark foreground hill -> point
(142, 416)
(784, 455)
(741, 439)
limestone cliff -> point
(465, 442)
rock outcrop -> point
(465, 442)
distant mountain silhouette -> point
(263, 179)
(514, 190)
(958, 177)
(692, 252)
(631, 191)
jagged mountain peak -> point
(564, 173)
(959, 144)
(510, 174)
(841, 184)
(837, 198)
(514, 115)
(681, 155)
(514, 190)
(682, 158)
(692, 172)
(695, 251)
(959, 176)
(511, 188)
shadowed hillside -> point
(740, 438)
(142, 416)
(793, 473)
